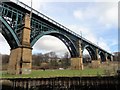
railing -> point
(62, 83)
(52, 21)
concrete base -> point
(20, 61)
(95, 63)
(76, 63)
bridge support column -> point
(14, 61)
(20, 61)
(77, 62)
(111, 58)
(106, 57)
(21, 57)
(96, 63)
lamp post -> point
(81, 36)
(31, 11)
(0, 20)
(80, 50)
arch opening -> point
(48, 43)
(91, 52)
(4, 46)
(86, 56)
(109, 58)
(51, 53)
(4, 52)
(66, 40)
(102, 57)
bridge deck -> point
(36, 14)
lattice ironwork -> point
(12, 17)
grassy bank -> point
(104, 69)
(58, 73)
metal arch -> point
(70, 45)
(21, 9)
(49, 33)
(93, 52)
(102, 55)
(40, 35)
(85, 47)
(101, 52)
(11, 31)
(88, 46)
(109, 57)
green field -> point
(57, 73)
(104, 69)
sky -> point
(95, 20)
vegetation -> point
(50, 65)
(50, 61)
(57, 73)
(105, 69)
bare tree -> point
(37, 59)
(65, 61)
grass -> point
(104, 69)
(57, 73)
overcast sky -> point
(96, 19)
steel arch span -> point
(9, 34)
(91, 51)
(22, 32)
(66, 40)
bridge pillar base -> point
(20, 61)
(76, 64)
(95, 63)
(14, 61)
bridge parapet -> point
(52, 21)
(24, 34)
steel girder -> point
(9, 35)
(11, 25)
(40, 28)
(12, 18)
(91, 51)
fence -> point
(62, 83)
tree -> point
(53, 58)
(37, 59)
(53, 55)
(50, 59)
(65, 61)
(46, 57)
(54, 63)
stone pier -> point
(96, 63)
(21, 57)
(77, 62)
